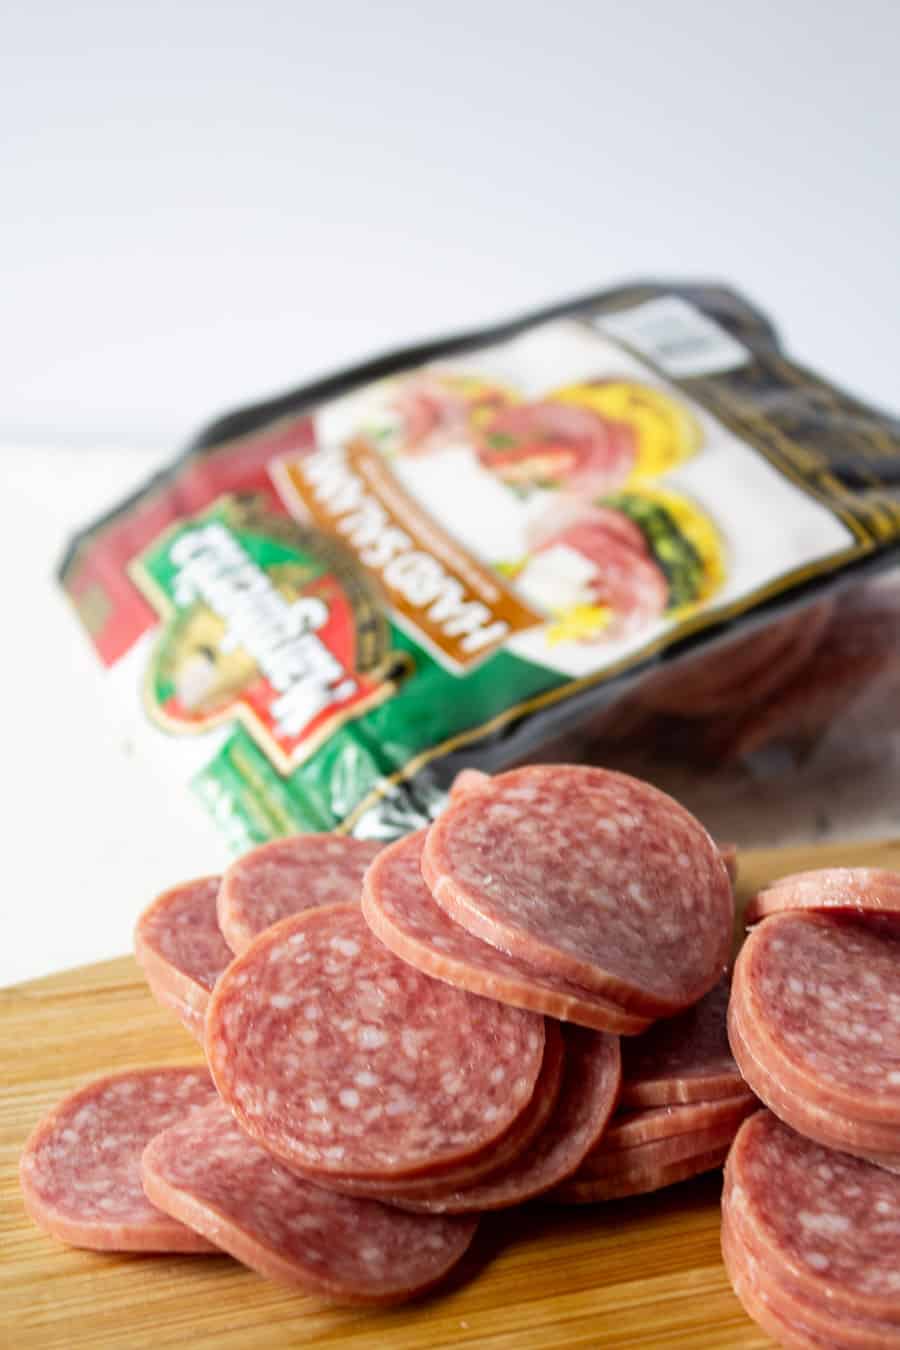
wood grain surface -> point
(638, 1273)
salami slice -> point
(589, 875)
(828, 1221)
(742, 673)
(802, 1313)
(683, 1059)
(337, 1056)
(823, 999)
(867, 892)
(657, 1153)
(730, 859)
(864, 1138)
(590, 1088)
(80, 1170)
(630, 1128)
(209, 1175)
(401, 910)
(485, 1166)
(288, 876)
(181, 950)
(592, 1190)
(467, 781)
(794, 1326)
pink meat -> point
(558, 443)
(867, 1139)
(867, 892)
(588, 1096)
(490, 1163)
(591, 876)
(644, 1158)
(338, 1057)
(630, 1128)
(683, 1059)
(580, 1190)
(402, 912)
(631, 584)
(804, 1313)
(180, 947)
(567, 511)
(206, 1173)
(80, 1170)
(288, 876)
(824, 1219)
(822, 997)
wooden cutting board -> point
(639, 1273)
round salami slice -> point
(401, 910)
(468, 781)
(793, 1325)
(827, 1220)
(485, 1166)
(81, 1167)
(658, 1153)
(591, 1190)
(683, 1059)
(181, 950)
(627, 1129)
(288, 876)
(337, 1056)
(590, 1088)
(209, 1175)
(864, 1138)
(744, 1258)
(823, 999)
(589, 875)
(867, 892)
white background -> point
(204, 203)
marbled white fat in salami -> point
(180, 947)
(866, 892)
(287, 876)
(828, 1221)
(797, 1313)
(683, 1059)
(209, 1175)
(401, 910)
(339, 1057)
(81, 1168)
(589, 1092)
(868, 1139)
(823, 999)
(485, 1166)
(591, 875)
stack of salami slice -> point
(811, 1240)
(681, 1103)
(401, 1038)
(811, 1209)
(814, 1018)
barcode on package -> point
(676, 337)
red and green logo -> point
(264, 621)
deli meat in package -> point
(627, 530)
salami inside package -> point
(626, 529)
